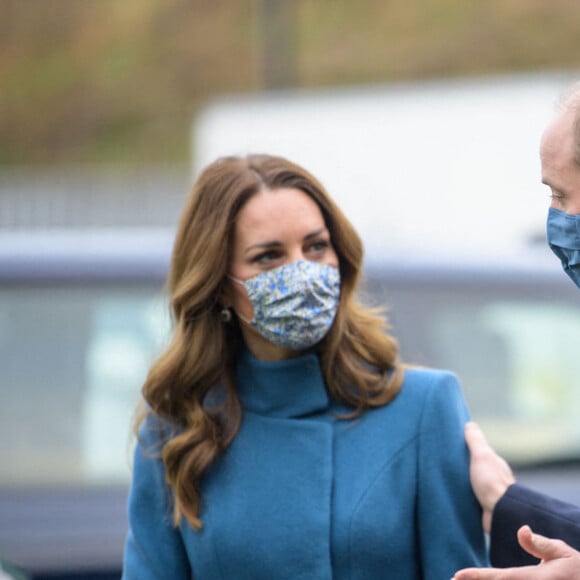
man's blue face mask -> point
(563, 232)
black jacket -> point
(545, 515)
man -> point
(507, 505)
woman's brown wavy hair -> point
(358, 357)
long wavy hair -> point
(359, 359)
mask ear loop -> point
(241, 283)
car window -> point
(529, 406)
(73, 360)
(514, 350)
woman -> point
(282, 438)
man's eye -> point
(558, 197)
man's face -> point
(559, 170)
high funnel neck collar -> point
(288, 388)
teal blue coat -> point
(301, 494)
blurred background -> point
(422, 118)
(119, 83)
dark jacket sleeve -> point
(545, 515)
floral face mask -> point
(294, 304)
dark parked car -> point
(83, 315)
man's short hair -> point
(570, 99)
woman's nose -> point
(296, 255)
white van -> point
(441, 167)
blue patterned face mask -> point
(564, 238)
(294, 304)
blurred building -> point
(78, 197)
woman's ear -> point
(225, 297)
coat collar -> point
(285, 389)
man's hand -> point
(559, 562)
(490, 474)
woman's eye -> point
(265, 257)
(319, 246)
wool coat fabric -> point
(303, 494)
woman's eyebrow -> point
(315, 233)
(276, 243)
(263, 246)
